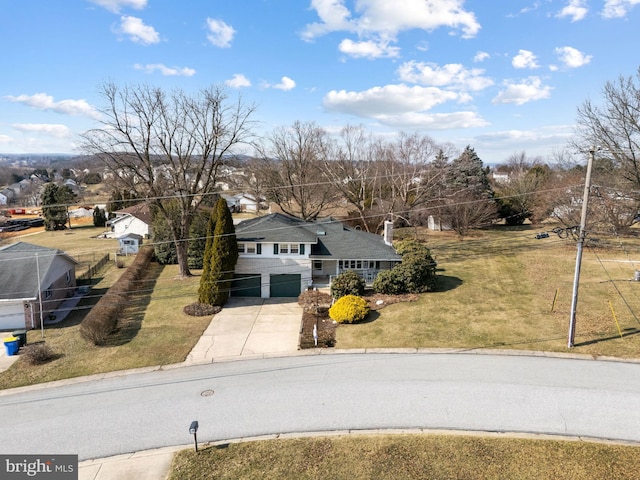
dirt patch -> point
(315, 308)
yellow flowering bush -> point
(349, 309)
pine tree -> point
(205, 290)
(225, 253)
(55, 201)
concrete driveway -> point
(250, 327)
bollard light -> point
(193, 429)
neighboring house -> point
(135, 219)
(32, 276)
(5, 196)
(130, 243)
(281, 256)
(243, 202)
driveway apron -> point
(250, 327)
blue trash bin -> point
(12, 344)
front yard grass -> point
(153, 331)
(497, 290)
(408, 457)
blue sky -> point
(501, 76)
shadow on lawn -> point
(446, 283)
(131, 319)
(627, 332)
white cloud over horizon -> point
(525, 59)
(576, 9)
(42, 101)
(368, 49)
(572, 57)
(285, 84)
(53, 129)
(238, 81)
(116, 5)
(164, 70)
(453, 75)
(618, 8)
(522, 92)
(220, 33)
(137, 31)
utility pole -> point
(581, 237)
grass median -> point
(409, 457)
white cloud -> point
(285, 84)
(481, 57)
(524, 59)
(164, 70)
(5, 139)
(382, 17)
(523, 92)
(53, 129)
(137, 31)
(368, 49)
(238, 81)
(42, 101)
(387, 100)
(576, 9)
(572, 57)
(116, 5)
(452, 74)
(434, 121)
(618, 8)
(220, 34)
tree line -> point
(168, 148)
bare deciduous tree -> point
(161, 145)
(292, 163)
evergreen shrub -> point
(347, 283)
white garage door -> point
(11, 316)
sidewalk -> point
(148, 465)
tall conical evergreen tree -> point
(225, 253)
(205, 292)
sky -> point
(502, 76)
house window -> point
(241, 248)
(317, 264)
(290, 248)
(251, 248)
(48, 293)
(68, 277)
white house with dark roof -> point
(281, 256)
(32, 276)
(136, 219)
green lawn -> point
(409, 457)
(497, 290)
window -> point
(68, 278)
(317, 264)
(294, 248)
(240, 247)
(47, 293)
(251, 248)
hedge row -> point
(102, 319)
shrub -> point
(347, 283)
(201, 309)
(416, 273)
(102, 319)
(349, 309)
(37, 353)
(389, 283)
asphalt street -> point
(310, 393)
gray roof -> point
(329, 237)
(19, 267)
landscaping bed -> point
(315, 305)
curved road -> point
(326, 392)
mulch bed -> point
(316, 305)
